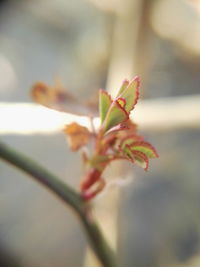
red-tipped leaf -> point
(130, 139)
(145, 148)
(115, 115)
(141, 159)
(131, 94)
(123, 87)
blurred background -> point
(91, 44)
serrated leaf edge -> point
(147, 145)
(136, 97)
(143, 156)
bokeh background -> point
(90, 45)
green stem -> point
(69, 196)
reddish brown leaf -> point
(78, 135)
(57, 97)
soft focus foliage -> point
(58, 98)
(92, 48)
(78, 135)
(115, 139)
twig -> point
(69, 196)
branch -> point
(153, 114)
(68, 195)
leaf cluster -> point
(115, 139)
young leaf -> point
(128, 153)
(131, 94)
(53, 97)
(121, 101)
(105, 102)
(78, 135)
(146, 148)
(141, 159)
(129, 140)
(117, 128)
(123, 87)
(58, 98)
(115, 115)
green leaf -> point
(128, 153)
(105, 102)
(141, 159)
(129, 140)
(115, 115)
(123, 87)
(145, 148)
(130, 94)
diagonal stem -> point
(69, 196)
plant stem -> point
(69, 196)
